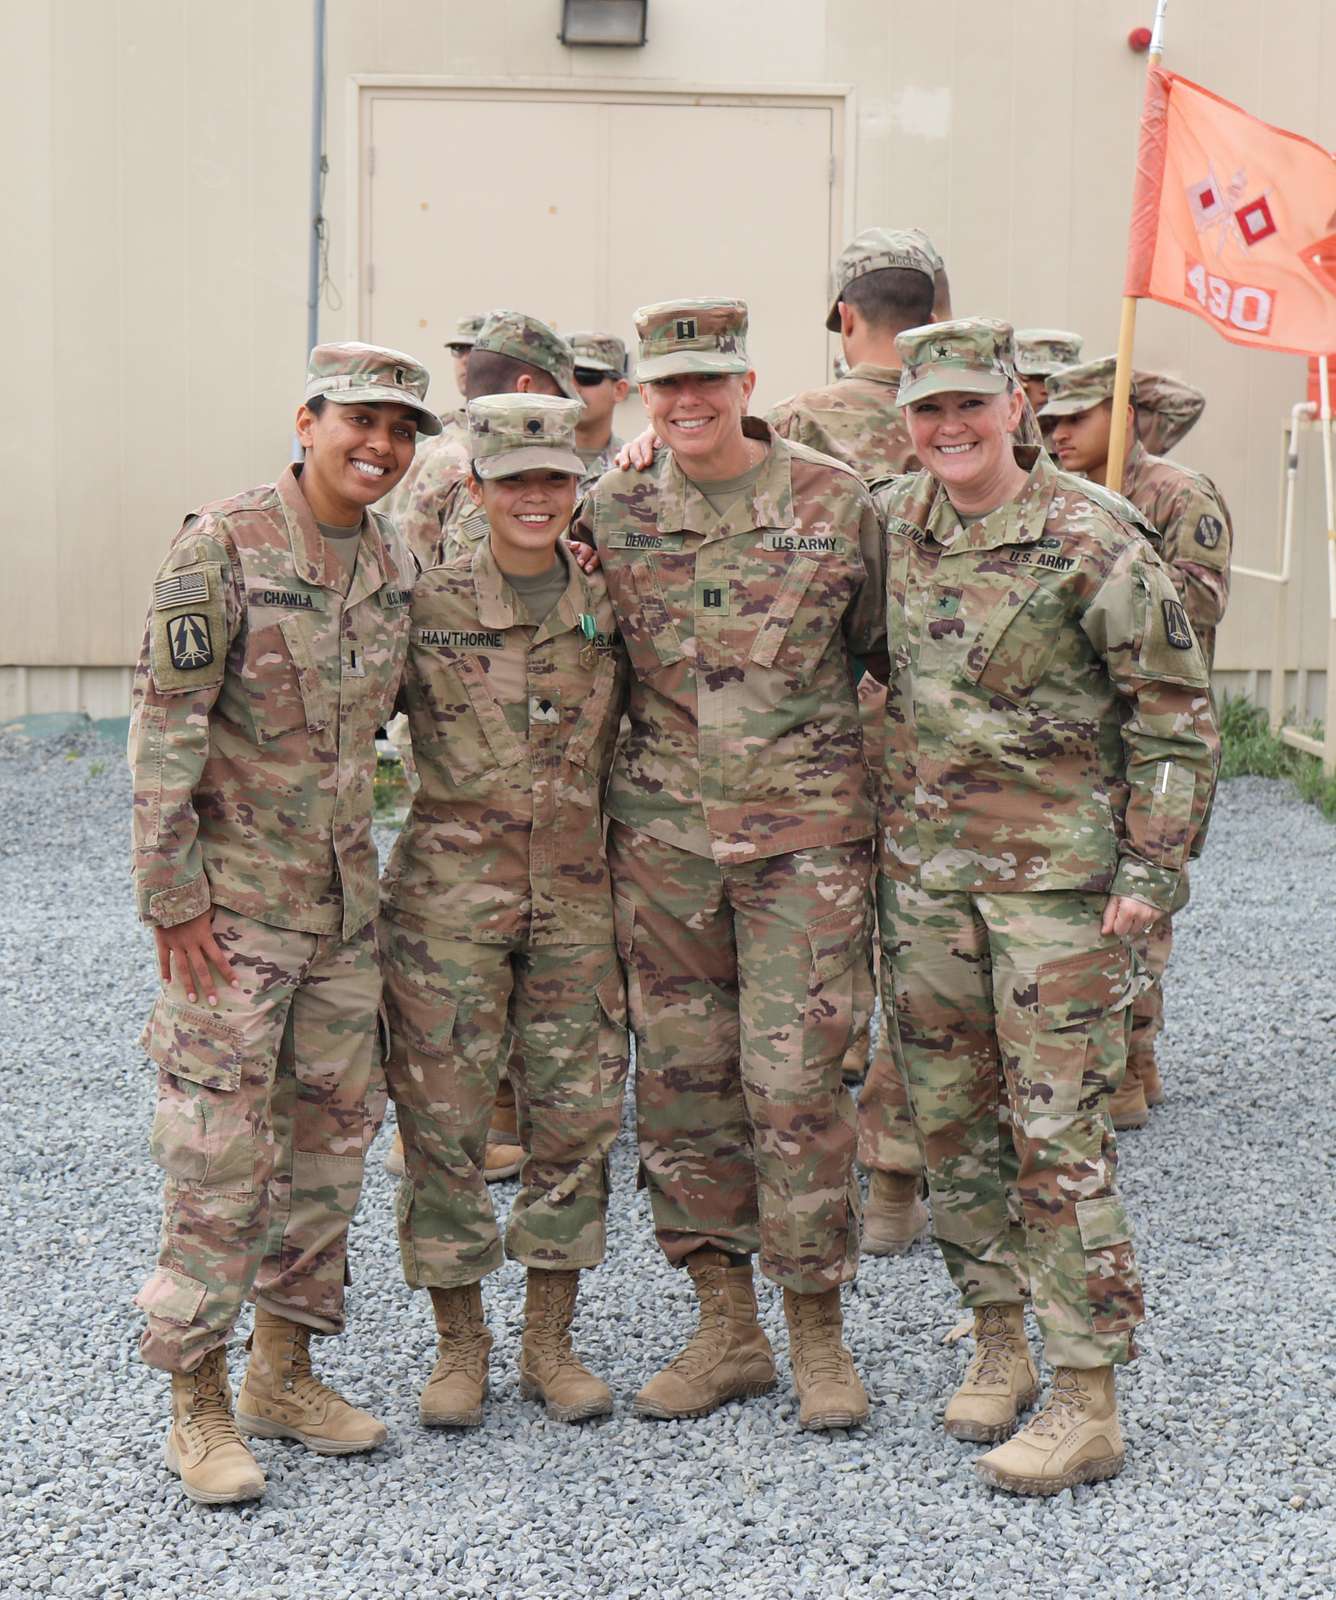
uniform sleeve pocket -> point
(193, 1044)
(1012, 649)
(1168, 828)
(1079, 989)
(171, 1297)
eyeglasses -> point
(591, 377)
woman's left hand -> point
(1127, 917)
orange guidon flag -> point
(1233, 219)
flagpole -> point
(1127, 327)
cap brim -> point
(428, 422)
(596, 364)
(451, 344)
(833, 317)
(1039, 369)
(951, 380)
(679, 362)
(529, 458)
(1069, 408)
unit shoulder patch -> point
(1177, 629)
(1209, 532)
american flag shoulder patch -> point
(182, 588)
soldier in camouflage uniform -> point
(601, 375)
(1050, 757)
(1166, 407)
(512, 354)
(1188, 512)
(437, 517)
(273, 651)
(498, 916)
(460, 346)
(883, 283)
(745, 572)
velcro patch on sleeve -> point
(181, 589)
(1177, 629)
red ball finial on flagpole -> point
(1139, 40)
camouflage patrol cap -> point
(1040, 351)
(1076, 389)
(875, 250)
(524, 338)
(466, 332)
(358, 374)
(971, 356)
(604, 352)
(679, 336)
(510, 433)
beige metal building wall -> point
(156, 261)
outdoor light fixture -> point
(603, 21)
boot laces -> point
(820, 1352)
(209, 1416)
(302, 1381)
(993, 1350)
(701, 1351)
(1065, 1409)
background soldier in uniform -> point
(744, 572)
(512, 354)
(883, 283)
(460, 346)
(1025, 615)
(601, 377)
(498, 916)
(1040, 351)
(273, 652)
(1194, 525)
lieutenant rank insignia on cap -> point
(182, 588)
(189, 641)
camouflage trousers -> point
(886, 1138)
(452, 1006)
(741, 986)
(1011, 1013)
(1153, 948)
(261, 1127)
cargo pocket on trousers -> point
(202, 1131)
(171, 1297)
(838, 1005)
(1073, 996)
(1113, 1286)
(422, 1028)
(624, 921)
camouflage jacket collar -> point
(1019, 521)
(308, 548)
(682, 507)
(1134, 464)
(495, 598)
(875, 374)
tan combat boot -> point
(830, 1393)
(894, 1218)
(1000, 1381)
(457, 1387)
(203, 1447)
(727, 1358)
(550, 1370)
(853, 1069)
(504, 1155)
(1128, 1106)
(1148, 1070)
(1074, 1439)
(281, 1398)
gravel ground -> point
(1229, 1488)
